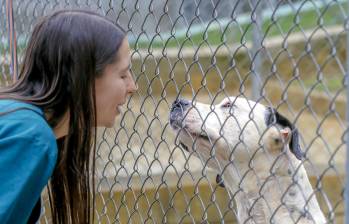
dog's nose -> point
(180, 104)
(177, 112)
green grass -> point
(333, 84)
(234, 33)
(21, 45)
(327, 16)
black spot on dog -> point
(219, 180)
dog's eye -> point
(228, 104)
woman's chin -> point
(106, 123)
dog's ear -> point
(272, 118)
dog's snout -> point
(177, 112)
(180, 104)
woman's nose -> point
(132, 86)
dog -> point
(256, 154)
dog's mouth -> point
(194, 136)
(184, 146)
(219, 179)
(202, 136)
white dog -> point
(256, 153)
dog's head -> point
(232, 130)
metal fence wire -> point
(288, 55)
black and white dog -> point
(256, 153)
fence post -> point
(346, 188)
(256, 68)
(12, 41)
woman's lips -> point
(119, 109)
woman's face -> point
(113, 87)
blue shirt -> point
(28, 154)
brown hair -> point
(66, 52)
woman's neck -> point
(62, 128)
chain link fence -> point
(290, 55)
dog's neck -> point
(285, 195)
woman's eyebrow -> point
(123, 69)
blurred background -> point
(290, 55)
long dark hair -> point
(66, 52)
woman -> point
(75, 76)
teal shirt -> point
(28, 154)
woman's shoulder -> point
(23, 120)
(9, 105)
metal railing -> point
(290, 55)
